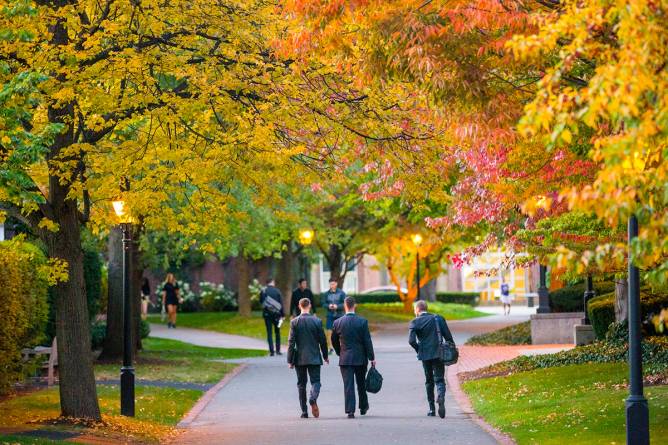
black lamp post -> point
(543, 292)
(417, 240)
(637, 411)
(588, 295)
(127, 370)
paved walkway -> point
(201, 337)
(260, 406)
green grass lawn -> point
(225, 322)
(157, 411)
(394, 312)
(171, 360)
(570, 404)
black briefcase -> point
(374, 381)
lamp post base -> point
(128, 391)
(637, 421)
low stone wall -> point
(554, 328)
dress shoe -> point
(304, 415)
(431, 414)
(441, 409)
(363, 411)
(432, 410)
(279, 353)
(351, 416)
(271, 353)
(314, 409)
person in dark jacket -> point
(425, 334)
(332, 301)
(272, 312)
(307, 347)
(301, 291)
(352, 342)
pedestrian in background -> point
(171, 299)
(272, 312)
(145, 298)
(506, 298)
(332, 301)
(301, 291)
(307, 347)
(425, 333)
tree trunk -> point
(285, 278)
(243, 270)
(429, 290)
(621, 299)
(113, 341)
(335, 262)
(78, 394)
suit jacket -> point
(307, 341)
(297, 295)
(351, 340)
(422, 335)
(273, 292)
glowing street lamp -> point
(306, 236)
(417, 240)
(127, 370)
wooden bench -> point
(49, 364)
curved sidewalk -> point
(201, 337)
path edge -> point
(465, 405)
(204, 401)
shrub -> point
(255, 288)
(216, 297)
(470, 298)
(99, 331)
(517, 334)
(192, 302)
(602, 310)
(23, 295)
(571, 298)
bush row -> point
(613, 349)
(602, 311)
(517, 334)
(571, 298)
(24, 307)
(470, 298)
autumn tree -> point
(167, 95)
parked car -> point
(383, 290)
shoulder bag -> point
(447, 350)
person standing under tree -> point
(145, 298)
(301, 291)
(506, 298)
(307, 347)
(272, 312)
(332, 301)
(171, 299)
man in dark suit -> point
(351, 340)
(272, 312)
(425, 334)
(301, 291)
(307, 346)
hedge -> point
(470, 298)
(602, 309)
(23, 289)
(571, 298)
(517, 334)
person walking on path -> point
(351, 340)
(301, 291)
(272, 312)
(145, 298)
(424, 335)
(307, 347)
(332, 301)
(506, 298)
(171, 299)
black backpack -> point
(374, 381)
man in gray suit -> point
(425, 334)
(351, 340)
(307, 346)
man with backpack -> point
(272, 312)
(426, 335)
